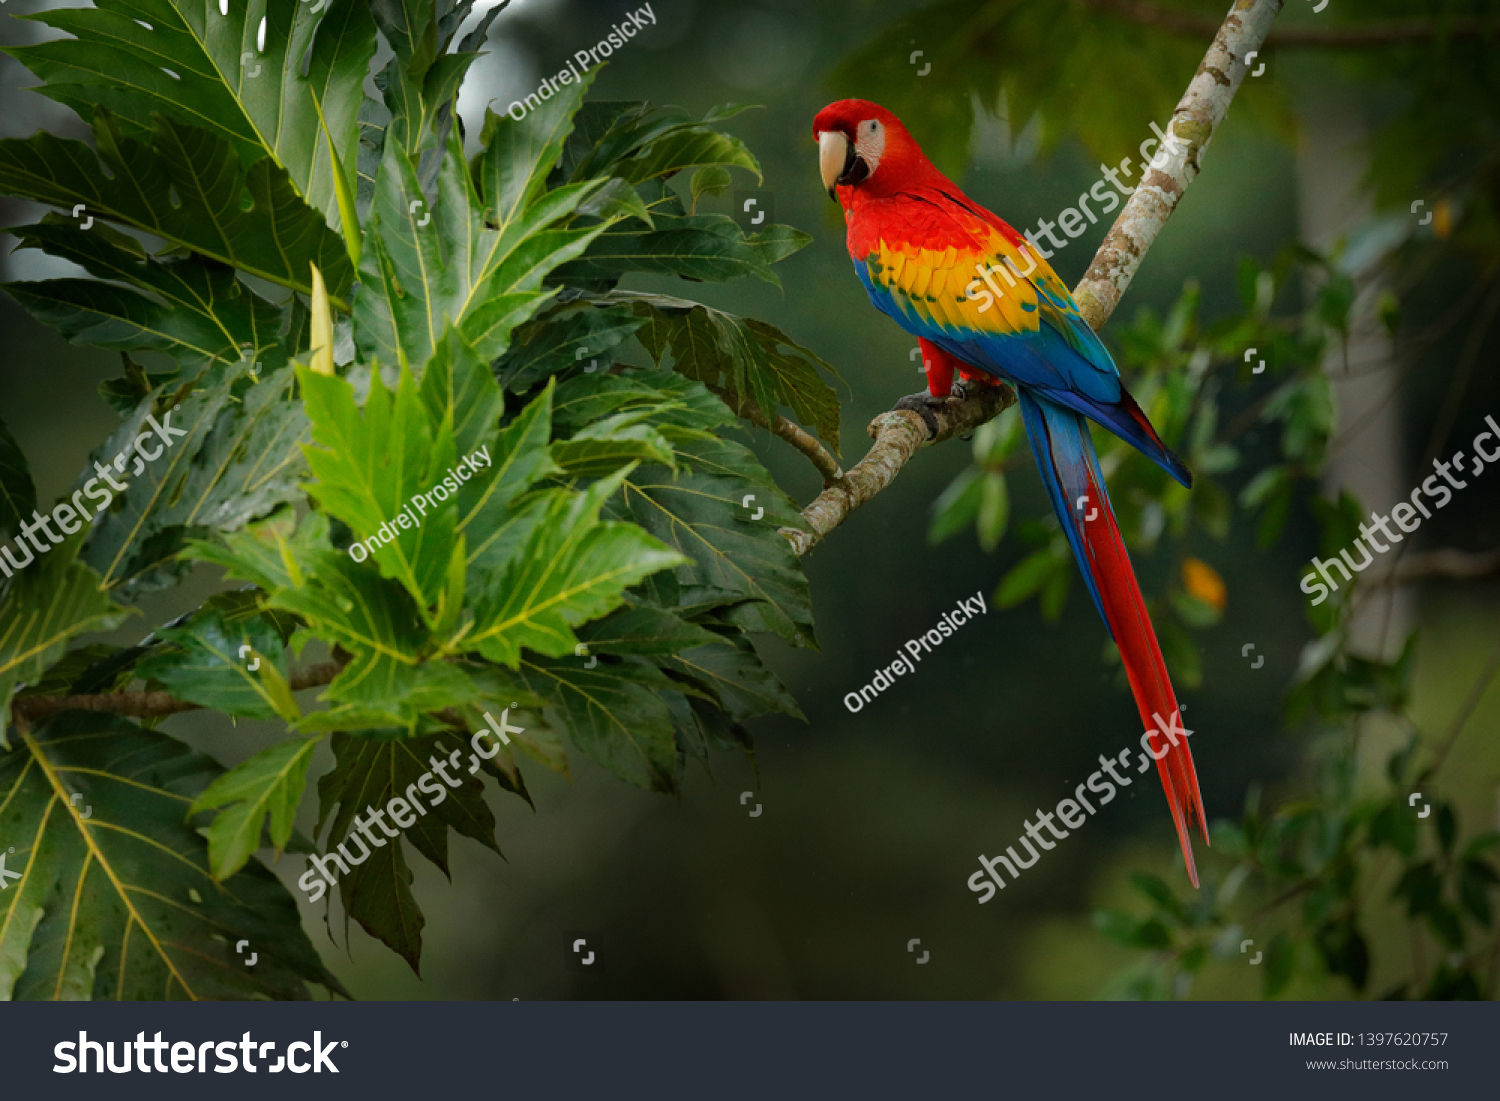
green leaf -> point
(187, 307)
(122, 51)
(617, 200)
(238, 460)
(123, 394)
(1025, 578)
(1395, 826)
(707, 247)
(17, 494)
(1130, 932)
(604, 447)
(1474, 884)
(704, 511)
(459, 389)
(733, 674)
(493, 528)
(686, 148)
(1281, 962)
(188, 187)
(464, 261)
(1055, 593)
(572, 568)
(368, 774)
(957, 506)
(98, 912)
(421, 81)
(1156, 891)
(1345, 950)
(635, 141)
(994, 511)
(711, 180)
(206, 667)
(616, 713)
(389, 681)
(1447, 827)
(372, 463)
(754, 361)
(49, 602)
(643, 629)
(517, 157)
(1195, 612)
(270, 785)
(69, 670)
(571, 336)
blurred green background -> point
(872, 822)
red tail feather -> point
(1125, 610)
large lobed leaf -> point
(204, 65)
(187, 187)
(751, 359)
(705, 507)
(116, 899)
(369, 772)
(48, 602)
(192, 309)
(238, 460)
(470, 258)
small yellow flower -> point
(1203, 582)
(1442, 219)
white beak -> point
(834, 155)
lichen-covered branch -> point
(1178, 161)
(1333, 37)
(899, 434)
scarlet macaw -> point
(929, 256)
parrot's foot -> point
(923, 404)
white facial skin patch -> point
(869, 143)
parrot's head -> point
(861, 144)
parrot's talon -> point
(923, 405)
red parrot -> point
(929, 256)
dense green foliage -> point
(337, 306)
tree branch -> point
(789, 431)
(1196, 117)
(149, 705)
(1445, 562)
(899, 434)
(1375, 34)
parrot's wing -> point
(950, 271)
